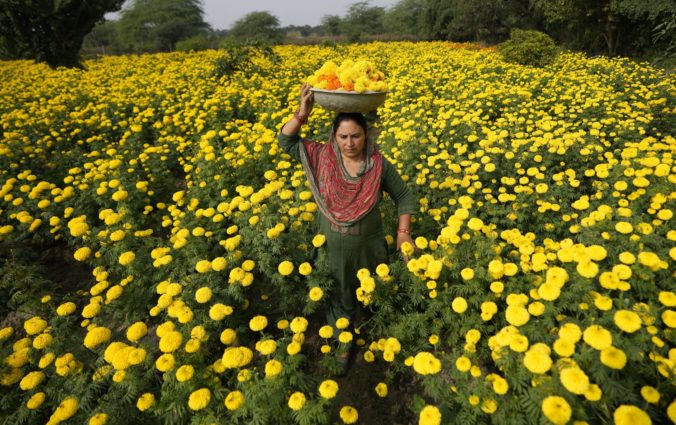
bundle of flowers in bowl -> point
(351, 87)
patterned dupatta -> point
(343, 199)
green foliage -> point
(49, 31)
(362, 19)
(253, 57)
(157, 25)
(194, 43)
(532, 48)
(330, 24)
(405, 17)
(257, 27)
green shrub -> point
(529, 47)
(196, 43)
(254, 57)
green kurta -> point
(361, 245)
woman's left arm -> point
(403, 199)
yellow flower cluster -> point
(359, 76)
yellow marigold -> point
(165, 362)
(517, 315)
(650, 394)
(31, 380)
(203, 295)
(170, 342)
(463, 364)
(537, 361)
(218, 264)
(185, 373)
(136, 331)
(349, 414)
(305, 269)
(328, 389)
(613, 357)
(316, 293)
(429, 415)
(82, 254)
(556, 409)
(383, 270)
(298, 325)
(587, 269)
(285, 268)
(34, 325)
(273, 368)
(381, 389)
(459, 305)
(228, 336)
(203, 266)
(234, 400)
(425, 363)
(627, 320)
(597, 337)
(36, 400)
(64, 411)
(96, 336)
(627, 414)
(66, 308)
(258, 323)
(574, 380)
(98, 419)
(326, 331)
(342, 323)
(297, 400)
(318, 240)
(236, 357)
(199, 399)
(467, 273)
(127, 258)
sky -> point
(221, 14)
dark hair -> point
(349, 116)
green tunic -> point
(361, 245)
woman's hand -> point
(307, 101)
(401, 238)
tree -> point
(611, 25)
(362, 19)
(257, 26)
(477, 20)
(330, 25)
(49, 31)
(406, 17)
(157, 25)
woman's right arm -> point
(300, 117)
(288, 137)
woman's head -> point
(349, 132)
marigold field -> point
(160, 262)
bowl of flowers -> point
(351, 87)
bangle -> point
(297, 116)
(402, 230)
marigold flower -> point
(556, 409)
(627, 414)
(349, 414)
(429, 415)
(234, 400)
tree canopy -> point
(257, 26)
(49, 31)
(157, 25)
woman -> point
(347, 176)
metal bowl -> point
(349, 101)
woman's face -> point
(351, 139)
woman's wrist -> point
(404, 230)
(301, 118)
